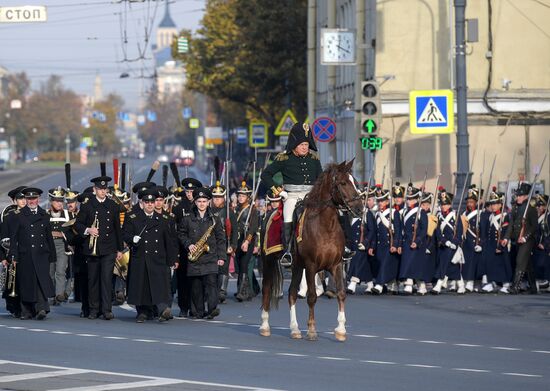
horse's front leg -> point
(292, 297)
(311, 299)
(340, 331)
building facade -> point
(413, 47)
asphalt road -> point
(474, 342)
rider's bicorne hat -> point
(300, 133)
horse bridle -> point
(345, 202)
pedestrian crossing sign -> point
(431, 112)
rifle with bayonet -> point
(417, 217)
(485, 197)
(523, 219)
(503, 214)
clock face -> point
(338, 47)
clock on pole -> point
(338, 47)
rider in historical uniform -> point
(521, 234)
(449, 237)
(19, 201)
(201, 234)
(243, 240)
(497, 257)
(153, 251)
(300, 169)
(415, 227)
(541, 252)
(388, 240)
(99, 221)
(364, 237)
(33, 250)
(472, 245)
(220, 209)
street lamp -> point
(67, 149)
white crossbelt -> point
(410, 213)
(382, 217)
(446, 221)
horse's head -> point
(344, 191)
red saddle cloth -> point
(273, 241)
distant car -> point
(163, 158)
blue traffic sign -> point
(242, 135)
(324, 129)
(431, 112)
(186, 112)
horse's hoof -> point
(340, 336)
(311, 336)
(265, 332)
(296, 335)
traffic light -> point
(371, 110)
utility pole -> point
(331, 79)
(311, 57)
(462, 142)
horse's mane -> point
(321, 189)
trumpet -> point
(93, 239)
(12, 273)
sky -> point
(83, 38)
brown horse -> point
(321, 248)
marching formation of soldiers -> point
(101, 248)
(418, 246)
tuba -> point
(201, 246)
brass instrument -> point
(121, 265)
(201, 246)
(93, 239)
(12, 273)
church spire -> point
(167, 21)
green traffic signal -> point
(369, 126)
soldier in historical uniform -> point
(541, 251)
(415, 228)
(180, 211)
(201, 234)
(472, 245)
(428, 260)
(220, 209)
(98, 220)
(388, 240)
(521, 234)
(300, 169)
(497, 257)
(364, 237)
(449, 238)
(243, 240)
(153, 250)
(33, 250)
(19, 201)
(61, 235)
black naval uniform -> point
(180, 211)
(13, 305)
(223, 271)
(151, 259)
(32, 247)
(523, 251)
(109, 241)
(203, 273)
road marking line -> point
(41, 375)
(433, 342)
(178, 343)
(146, 340)
(115, 337)
(379, 362)
(519, 374)
(87, 335)
(471, 370)
(541, 351)
(214, 347)
(235, 324)
(38, 330)
(397, 339)
(251, 351)
(291, 354)
(16, 327)
(60, 332)
(217, 321)
(504, 348)
(334, 358)
(123, 386)
(281, 328)
(467, 345)
(422, 366)
(366, 336)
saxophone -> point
(201, 246)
